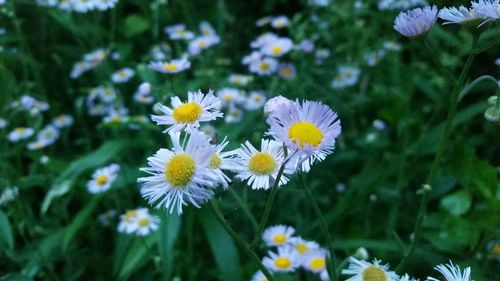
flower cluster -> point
(139, 222)
(89, 62)
(79, 6)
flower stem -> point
(332, 260)
(439, 155)
(241, 243)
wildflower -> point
(287, 71)
(285, 260)
(62, 121)
(253, 57)
(173, 66)
(239, 79)
(122, 75)
(307, 129)
(48, 134)
(103, 178)
(392, 46)
(306, 46)
(361, 253)
(146, 223)
(222, 161)
(366, 271)
(143, 99)
(3, 123)
(230, 96)
(259, 276)
(277, 47)
(273, 104)
(493, 248)
(181, 175)
(82, 6)
(128, 221)
(115, 117)
(263, 21)
(278, 235)
(279, 22)
(206, 28)
(452, 272)
(302, 246)
(373, 58)
(37, 145)
(179, 32)
(145, 88)
(255, 100)
(315, 260)
(187, 115)
(264, 66)
(488, 9)
(104, 5)
(263, 40)
(346, 76)
(202, 43)
(416, 22)
(234, 115)
(20, 133)
(260, 168)
(462, 15)
(406, 277)
(8, 194)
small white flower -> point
(239, 79)
(233, 115)
(315, 260)
(202, 43)
(48, 134)
(222, 161)
(179, 32)
(259, 276)
(206, 28)
(103, 178)
(263, 39)
(122, 75)
(273, 104)
(128, 221)
(287, 71)
(365, 271)
(302, 246)
(279, 22)
(277, 47)
(417, 21)
(20, 133)
(63, 121)
(104, 5)
(346, 76)
(171, 67)
(452, 272)
(187, 115)
(230, 96)
(208, 130)
(255, 100)
(278, 235)
(286, 260)
(3, 123)
(264, 66)
(146, 223)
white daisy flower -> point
(280, 22)
(239, 79)
(20, 133)
(365, 271)
(202, 43)
(3, 123)
(323, 276)
(103, 178)
(206, 28)
(230, 96)
(82, 6)
(406, 277)
(346, 76)
(315, 260)
(259, 276)
(260, 168)
(392, 46)
(8, 194)
(181, 175)
(287, 71)
(253, 57)
(233, 115)
(63, 121)
(104, 5)
(122, 75)
(48, 134)
(303, 246)
(187, 115)
(181, 35)
(307, 129)
(142, 98)
(255, 100)
(415, 22)
(278, 235)
(37, 145)
(489, 9)
(106, 94)
(452, 272)
(222, 161)
(128, 221)
(146, 223)
(277, 47)
(171, 67)
(145, 88)
(263, 39)
(264, 66)
(272, 105)
(286, 260)
(463, 15)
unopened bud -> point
(361, 254)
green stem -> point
(439, 155)
(239, 241)
(332, 260)
(245, 208)
(269, 205)
(438, 63)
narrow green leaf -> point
(6, 231)
(223, 247)
(78, 222)
(97, 158)
(134, 259)
(168, 232)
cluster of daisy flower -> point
(30, 104)
(196, 44)
(302, 133)
(418, 21)
(291, 253)
(236, 100)
(103, 178)
(138, 221)
(79, 6)
(90, 61)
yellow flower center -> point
(187, 113)
(496, 249)
(264, 66)
(276, 50)
(301, 248)
(179, 170)
(286, 72)
(130, 215)
(374, 273)
(262, 163)
(282, 262)
(317, 263)
(228, 97)
(170, 67)
(20, 130)
(101, 180)
(279, 238)
(215, 161)
(143, 222)
(305, 133)
(202, 44)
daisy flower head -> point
(493, 248)
(48, 134)
(222, 161)
(171, 67)
(122, 75)
(366, 271)
(469, 17)
(416, 22)
(20, 133)
(302, 246)
(178, 32)
(187, 115)
(239, 79)
(264, 66)
(255, 100)
(407, 277)
(272, 105)
(103, 178)
(452, 272)
(277, 47)
(253, 57)
(263, 40)
(3, 123)
(181, 175)
(260, 168)
(146, 223)
(63, 121)
(287, 71)
(259, 276)
(128, 221)
(308, 129)
(346, 76)
(202, 43)
(230, 96)
(278, 235)
(234, 115)
(279, 22)
(285, 260)
(315, 260)
(206, 28)
(37, 145)
(489, 9)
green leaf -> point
(223, 247)
(97, 158)
(457, 203)
(134, 259)
(168, 232)
(6, 231)
(78, 222)
(135, 25)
